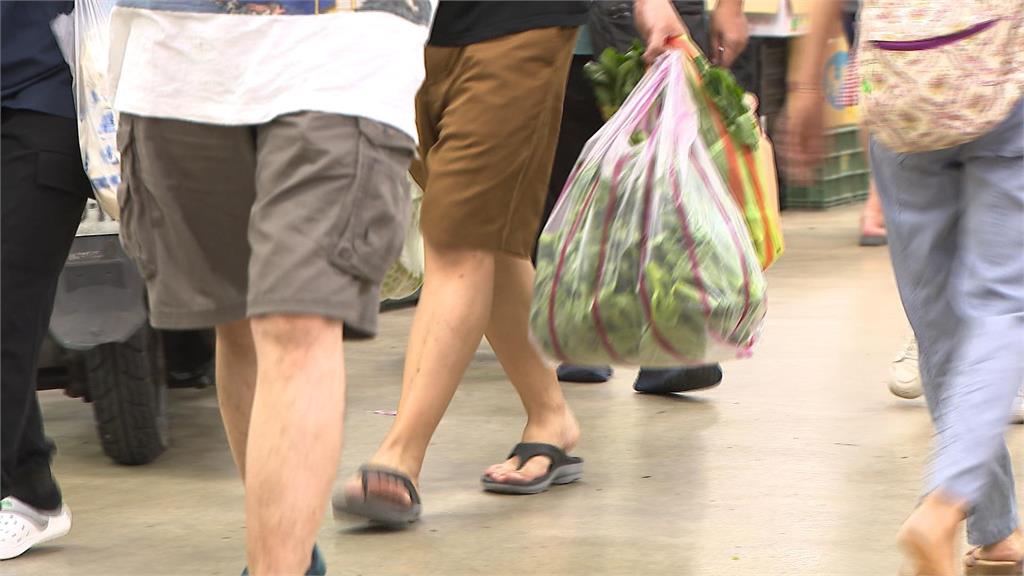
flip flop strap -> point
(378, 471)
(972, 556)
(526, 451)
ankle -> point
(1011, 546)
(558, 427)
(397, 456)
(946, 510)
(551, 406)
(547, 415)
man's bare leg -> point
(236, 385)
(451, 317)
(548, 419)
(294, 439)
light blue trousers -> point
(955, 221)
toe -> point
(534, 469)
(501, 471)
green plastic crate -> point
(843, 177)
(844, 139)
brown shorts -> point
(301, 215)
(488, 117)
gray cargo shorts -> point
(301, 215)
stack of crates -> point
(761, 69)
(843, 176)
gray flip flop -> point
(382, 510)
(564, 469)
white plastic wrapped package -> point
(406, 275)
(97, 121)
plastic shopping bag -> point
(741, 150)
(406, 275)
(646, 259)
(97, 121)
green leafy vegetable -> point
(721, 87)
(614, 75)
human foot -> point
(561, 431)
(1004, 557)
(1017, 416)
(23, 526)
(872, 228)
(382, 494)
(928, 536)
(563, 469)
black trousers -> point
(43, 189)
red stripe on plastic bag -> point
(744, 263)
(643, 105)
(557, 348)
(609, 215)
(645, 296)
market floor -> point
(800, 463)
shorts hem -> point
(484, 242)
(348, 313)
(192, 320)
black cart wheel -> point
(128, 387)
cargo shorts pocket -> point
(130, 204)
(380, 208)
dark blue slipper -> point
(317, 566)
(675, 380)
(584, 374)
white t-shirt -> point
(239, 62)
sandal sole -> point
(986, 568)
(382, 513)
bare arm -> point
(729, 32)
(657, 21)
(811, 49)
(802, 144)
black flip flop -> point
(564, 469)
(382, 510)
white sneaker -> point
(1017, 416)
(22, 526)
(904, 375)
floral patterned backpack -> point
(939, 73)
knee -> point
(448, 259)
(235, 337)
(292, 331)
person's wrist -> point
(803, 87)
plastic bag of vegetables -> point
(728, 124)
(406, 275)
(741, 150)
(646, 259)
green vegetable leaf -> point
(618, 73)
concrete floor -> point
(801, 463)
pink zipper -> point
(932, 43)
